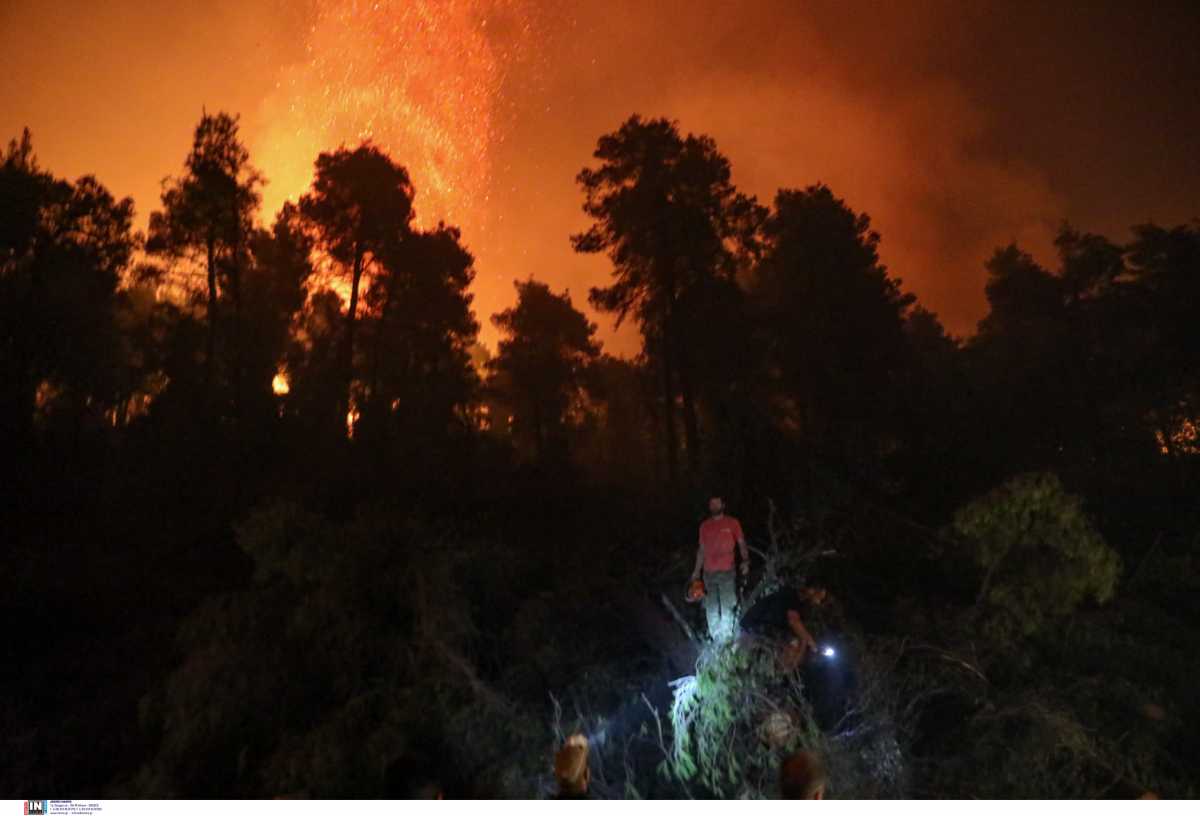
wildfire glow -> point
(420, 78)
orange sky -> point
(956, 131)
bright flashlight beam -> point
(828, 651)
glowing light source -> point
(280, 384)
(828, 651)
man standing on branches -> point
(719, 535)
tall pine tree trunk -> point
(691, 430)
(380, 330)
(241, 456)
(235, 290)
(539, 434)
(668, 356)
(210, 359)
(377, 413)
(671, 443)
(348, 346)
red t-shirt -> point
(718, 537)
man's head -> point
(716, 506)
(802, 776)
(571, 766)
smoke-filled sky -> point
(957, 126)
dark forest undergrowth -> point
(404, 646)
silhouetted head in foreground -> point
(571, 767)
(802, 776)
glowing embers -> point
(421, 79)
(1183, 439)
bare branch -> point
(687, 630)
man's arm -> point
(699, 561)
(744, 549)
(800, 630)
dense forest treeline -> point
(280, 524)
